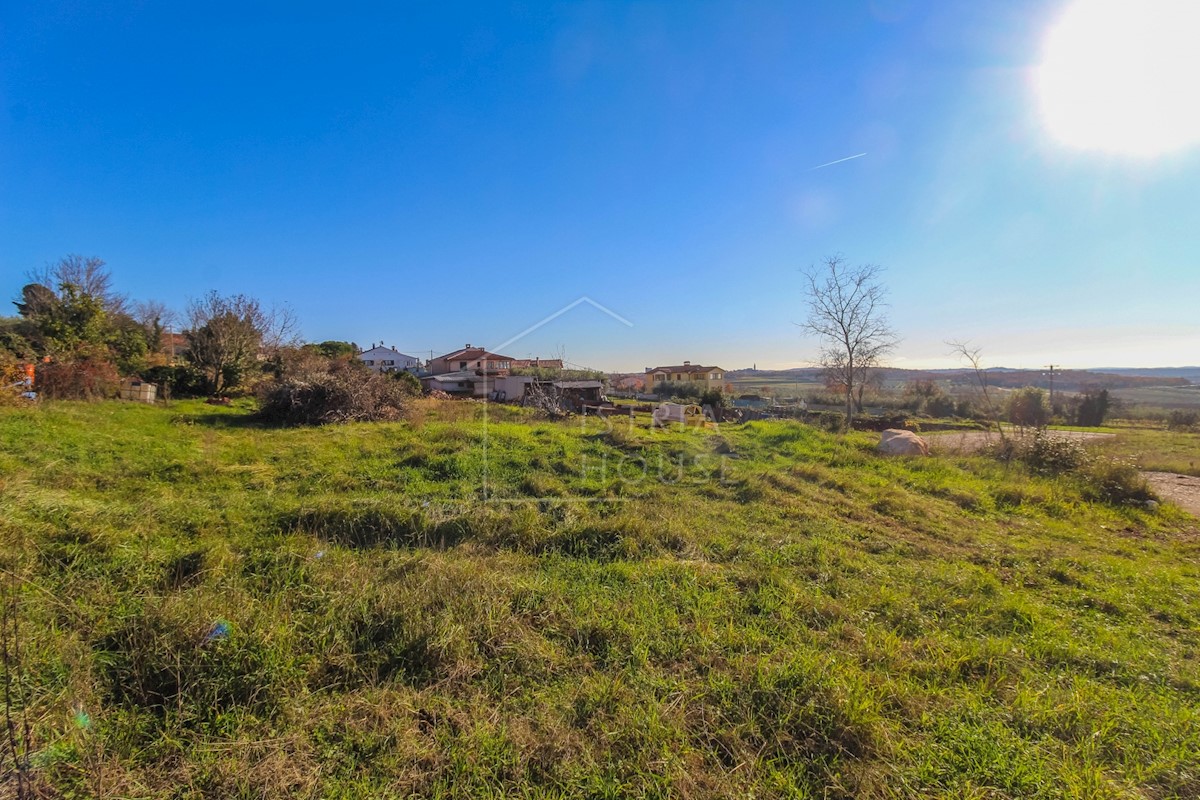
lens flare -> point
(1120, 77)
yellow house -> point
(706, 377)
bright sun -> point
(1123, 76)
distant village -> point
(476, 372)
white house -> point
(388, 359)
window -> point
(369, 362)
(462, 365)
(388, 363)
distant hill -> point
(1190, 373)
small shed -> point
(688, 414)
(577, 394)
(138, 391)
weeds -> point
(15, 766)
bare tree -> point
(972, 356)
(846, 310)
(156, 319)
(88, 274)
(545, 398)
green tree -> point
(334, 349)
(15, 344)
(227, 336)
(1091, 408)
(224, 337)
(76, 321)
(1028, 408)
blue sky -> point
(436, 174)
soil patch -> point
(1182, 490)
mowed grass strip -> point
(474, 603)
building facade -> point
(687, 372)
(388, 359)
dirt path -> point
(1182, 490)
(970, 441)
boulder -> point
(902, 443)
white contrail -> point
(840, 160)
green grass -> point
(1153, 448)
(764, 610)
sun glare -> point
(1121, 77)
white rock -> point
(902, 443)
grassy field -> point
(464, 607)
(1165, 397)
(1153, 448)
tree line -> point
(84, 336)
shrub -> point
(12, 383)
(714, 398)
(342, 393)
(831, 421)
(1117, 482)
(940, 406)
(1052, 455)
(1180, 420)
(1043, 453)
(408, 381)
(86, 378)
(179, 380)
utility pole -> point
(1052, 367)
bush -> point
(180, 380)
(12, 383)
(714, 398)
(343, 393)
(1043, 453)
(940, 406)
(87, 378)
(831, 421)
(1053, 455)
(408, 381)
(1116, 482)
(1180, 420)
